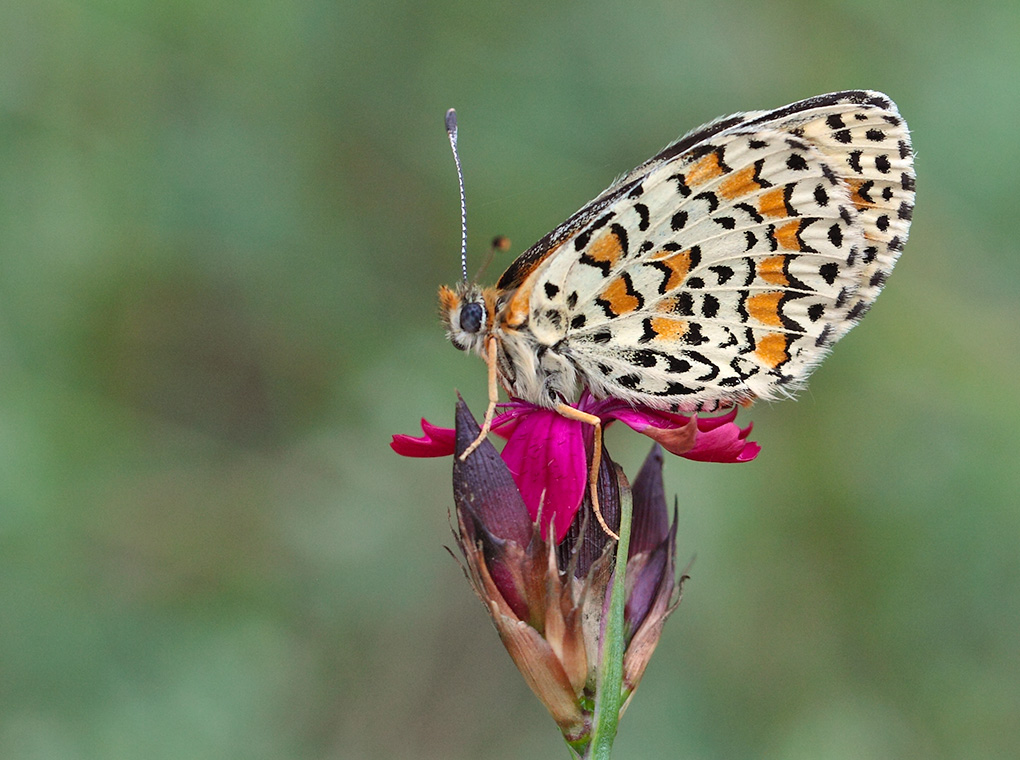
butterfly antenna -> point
(451, 132)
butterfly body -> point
(721, 270)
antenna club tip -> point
(451, 121)
(501, 243)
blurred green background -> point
(221, 230)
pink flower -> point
(546, 454)
(550, 602)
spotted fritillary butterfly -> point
(721, 270)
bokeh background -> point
(221, 229)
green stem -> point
(609, 688)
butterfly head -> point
(467, 313)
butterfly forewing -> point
(725, 267)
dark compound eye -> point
(471, 317)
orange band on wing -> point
(618, 296)
(773, 203)
(703, 170)
(740, 184)
(765, 307)
(771, 349)
(771, 270)
(786, 236)
(668, 329)
(606, 248)
(679, 264)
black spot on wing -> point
(684, 305)
(648, 333)
(630, 381)
(710, 198)
(642, 212)
(857, 311)
(643, 358)
(796, 162)
(829, 272)
(751, 211)
(836, 236)
(678, 389)
(787, 198)
(723, 272)
(681, 185)
(694, 336)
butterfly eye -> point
(471, 317)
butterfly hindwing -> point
(725, 267)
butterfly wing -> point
(726, 267)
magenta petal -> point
(676, 433)
(711, 423)
(546, 457)
(504, 423)
(702, 439)
(437, 442)
(751, 450)
(675, 440)
(639, 418)
(724, 443)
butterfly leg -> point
(596, 460)
(490, 410)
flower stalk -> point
(611, 700)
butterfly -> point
(719, 271)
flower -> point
(546, 452)
(548, 600)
